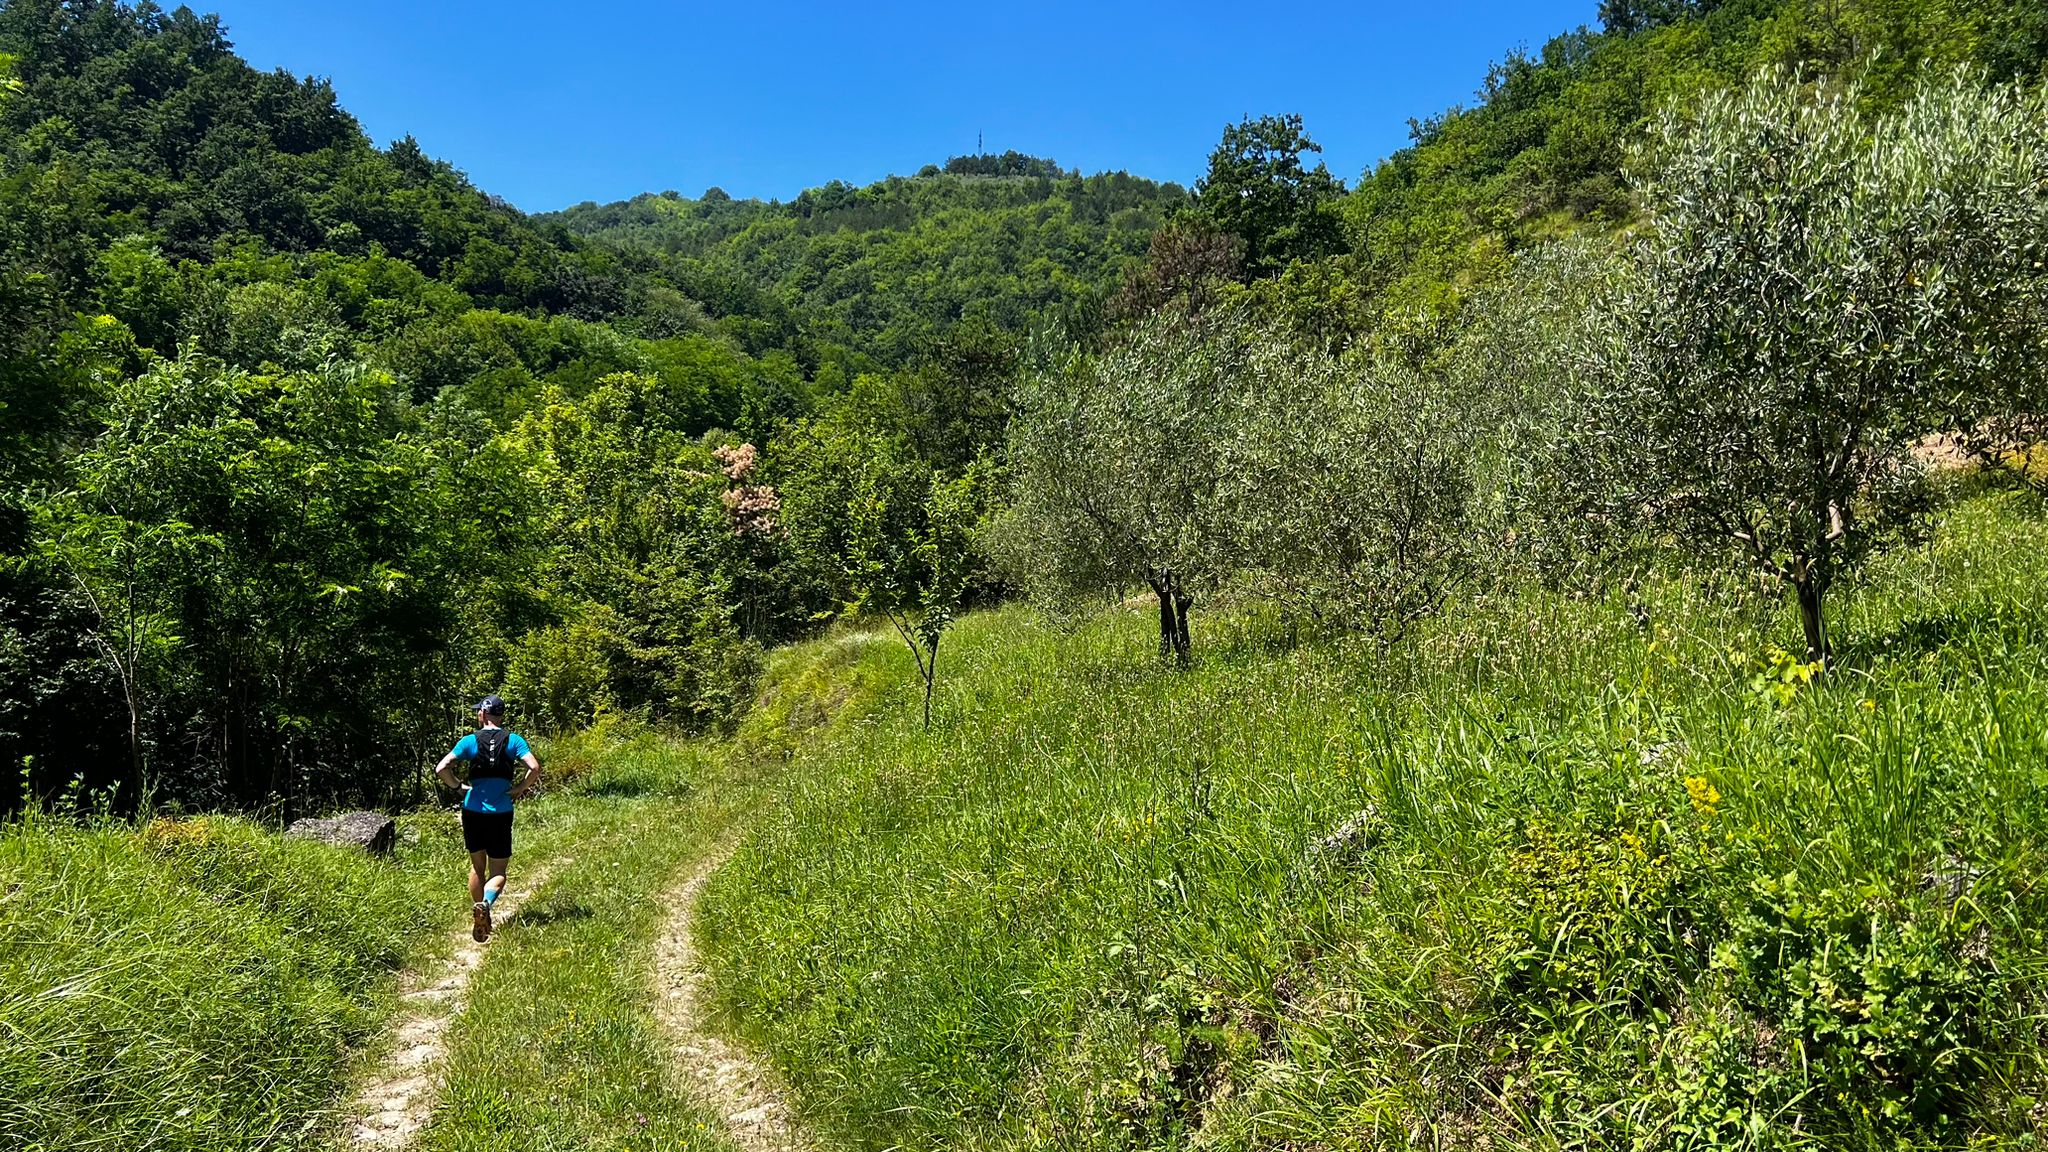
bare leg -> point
(480, 912)
(496, 884)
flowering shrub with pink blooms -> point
(754, 509)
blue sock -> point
(491, 896)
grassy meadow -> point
(197, 983)
(1557, 872)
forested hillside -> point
(890, 268)
(1541, 151)
(306, 439)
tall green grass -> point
(195, 984)
(1558, 872)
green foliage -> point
(264, 487)
(1117, 460)
(561, 675)
(832, 470)
(1258, 190)
(1816, 291)
(224, 528)
(1543, 148)
(1211, 452)
(635, 544)
(1350, 485)
(1885, 1000)
(162, 203)
(887, 270)
(919, 581)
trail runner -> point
(494, 755)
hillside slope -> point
(888, 268)
(1541, 150)
(1564, 873)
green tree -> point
(1348, 482)
(140, 288)
(1116, 461)
(1627, 17)
(637, 554)
(259, 564)
(918, 582)
(1818, 290)
(1259, 191)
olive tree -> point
(1816, 290)
(1116, 463)
(1534, 358)
(1349, 484)
(1200, 454)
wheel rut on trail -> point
(733, 1082)
(392, 1107)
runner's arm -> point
(447, 773)
(526, 786)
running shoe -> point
(480, 922)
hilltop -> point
(889, 268)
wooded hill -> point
(887, 269)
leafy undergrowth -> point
(194, 984)
(1555, 873)
(557, 1046)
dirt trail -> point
(391, 1108)
(737, 1085)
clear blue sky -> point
(547, 104)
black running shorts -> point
(487, 832)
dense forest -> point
(306, 439)
(886, 270)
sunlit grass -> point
(556, 1045)
(197, 984)
(1617, 874)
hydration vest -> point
(493, 756)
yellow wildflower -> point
(1702, 794)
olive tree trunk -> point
(1174, 602)
(1818, 650)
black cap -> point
(492, 705)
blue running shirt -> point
(492, 795)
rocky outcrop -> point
(373, 832)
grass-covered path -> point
(577, 1027)
(394, 1101)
